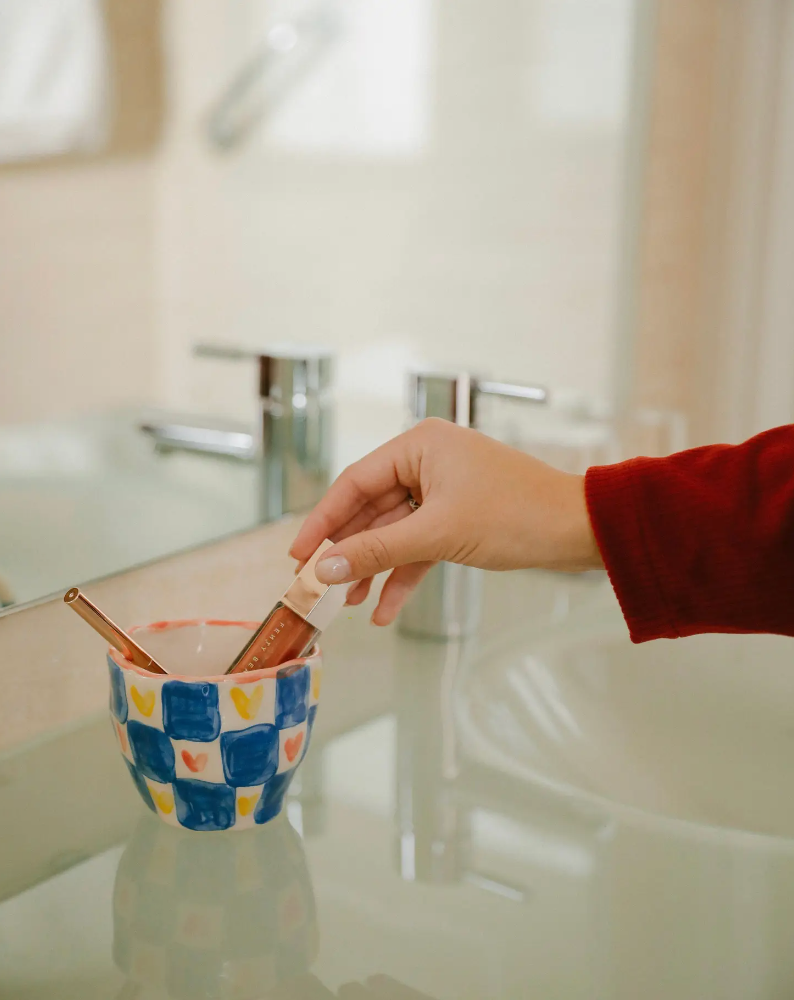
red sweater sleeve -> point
(700, 541)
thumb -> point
(409, 540)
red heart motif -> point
(196, 925)
(291, 747)
(195, 764)
(291, 912)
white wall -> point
(77, 246)
(443, 187)
(76, 289)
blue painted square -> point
(272, 797)
(118, 692)
(203, 805)
(140, 784)
(250, 756)
(190, 711)
(292, 696)
(310, 727)
(152, 751)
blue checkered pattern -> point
(209, 755)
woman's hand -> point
(482, 503)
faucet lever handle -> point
(225, 352)
(454, 397)
(513, 390)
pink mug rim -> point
(248, 677)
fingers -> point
(397, 590)
(401, 510)
(359, 592)
(408, 540)
(374, 512)
(365, 481)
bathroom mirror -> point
(406, 185)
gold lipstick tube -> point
(109, 631)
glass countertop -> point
(543, 811)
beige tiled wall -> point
(77, 268)
(675, 218)
(482, 232)
(76, 295)
(489, 241)
(707, 205)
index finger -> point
(364, 481)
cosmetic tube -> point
(306, 608)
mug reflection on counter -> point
(205, 917)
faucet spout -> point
(291, 445)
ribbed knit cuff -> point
(617, 519)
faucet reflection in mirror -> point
(291, 444)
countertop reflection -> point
(503, 818)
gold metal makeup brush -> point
(109, 631)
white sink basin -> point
(698, 730)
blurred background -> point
(592, 196)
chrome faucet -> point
(292, 441)
(446, 604)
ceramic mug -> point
(213, 916)
(209, 751)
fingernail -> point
(334, 569)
